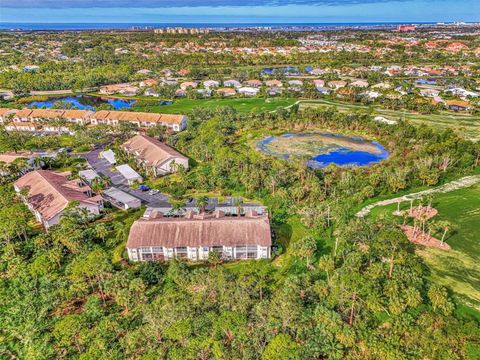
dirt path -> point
(466, 181)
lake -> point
(85, 102)
(318, 150)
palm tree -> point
(445, 226)
(100, 183)
(47, 161)
(37, 162)
(177, 208)
(202, 202)
(101, 231)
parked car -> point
(153, 192)
(143, 187)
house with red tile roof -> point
(48, 194)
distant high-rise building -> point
(403, 28)
(182, 30)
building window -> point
(181, 252)
(251, 252)
(218, 249)
(241, 252)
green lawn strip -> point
(242, 105)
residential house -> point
(371, 95)
(48, 194)
(458, 105)
(188, 84)
(153, 155)
(180, 93)
(226, 92)
(144, 72)
(204, 92)
(148, 83)
(248, 91)
(183, 72)
(211, 83)
(118, 88)
(274, 91)
(429, 92)
(384, 120)
(317, 71)
(295, 83)
(253, 83)
(359, 84)
(319, 83)
(141, 119)
(194, 236)
(6, 114)
(273, 83)
(463, 93)
(80, 117)
(323, 90)
(337, 84)
(10, 157)
(232, 83)
(382, 85)
(151, 92)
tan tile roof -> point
(4, 111)
(23, 113)
(77, 114)
(49, 193)
(197, 231)
(138, 117)
(47, 113)
(11, 157)
(458, 103)
(152, 151)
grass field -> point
(458, 269)
(467, 124)
(242, 105)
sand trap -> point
(417, 236)
(422, 212)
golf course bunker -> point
(318, 150)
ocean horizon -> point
(31, 26)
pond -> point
(84, 102)
(318, 150)
(288, 70)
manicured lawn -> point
(183, 106)
(458, 268)
(469, 125)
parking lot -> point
(103, 168)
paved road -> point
(103, 167)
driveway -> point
(103, 167)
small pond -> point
(84, 102)
(318, 150)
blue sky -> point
(249, 11)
